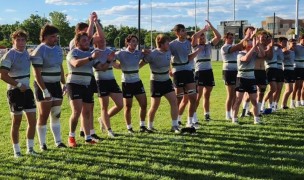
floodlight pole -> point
(138, 24)
(151, 28)
(297, 20)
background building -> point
(280, 26)
(235, 27)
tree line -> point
(114, 35)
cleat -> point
(179, 123)
(207, 117)
(61, 145)
(189, 125)
(257, 122)
(43, 147)
(249, 114)
(152, 129)
(96, 138)
(131, 131)
(235, 122)
(243, 113)
(175, 129)
(196, 125)
(31, 152)
(72, 142)
(81, 134)
(285, 107)
(91, 141)
(111, 134)
(143, 129)
(17, 155)
(190, 130)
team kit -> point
(181, 71)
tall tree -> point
(32, 25)
(60, 21)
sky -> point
(165, 13)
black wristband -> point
(108, 61)
(90, 58)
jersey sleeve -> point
(36, 57)
(226, 49)
(6, 62)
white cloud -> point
(67, 2)
(10, 10)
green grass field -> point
(220, 150)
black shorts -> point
(289, 76)
(54, 89)
(131, 89)
(204, 78)
(271, 74)
(76, 91)
(160, 88)
(299, 73)
(93, 85)
(260, 77)
(246, 85)
(280, 75)
(181, 78)
(229, 77)
(19, 101)
(105, 87)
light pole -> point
(195, 15)
(297, 19)
(151, 28)
(138, 24)
(118, 41)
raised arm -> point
(90, 29)
(82, 61)
(249, 54)
(198, 34)
(239, 46)
(217, 36)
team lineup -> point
(249, 66)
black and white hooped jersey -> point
(229, 58)
(79, 75)
(18, 64)
(50, 60)
(159, 65)
(203, 58)
(299, 58)
(107, 74)
(129, 62)
(180, 51)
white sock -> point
(256, 118)
(142, 123)
(179, 117)
(298, 103)
(260, 107)
(29, 143)
(71, 134)
(88, 137)
(41, 131)
(150, 125)
(228, 114)
(302, 102)
(129, 126)
(56, 132)
(194, 119)
(16, 148)
(92, 131)
(207, 113)
(234, 119)
(174, 123)
(189, 120)
(81, 128)
(245, 105)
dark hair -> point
(80, 27)
(161, 39)
(249, 27)
(19, 33)
(78, 36)
(178, 27)
(292, 40)
(128, 39)
(281, 39)
(47, 30)
(228, 34)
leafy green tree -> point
(32, 25)
(60, 21)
